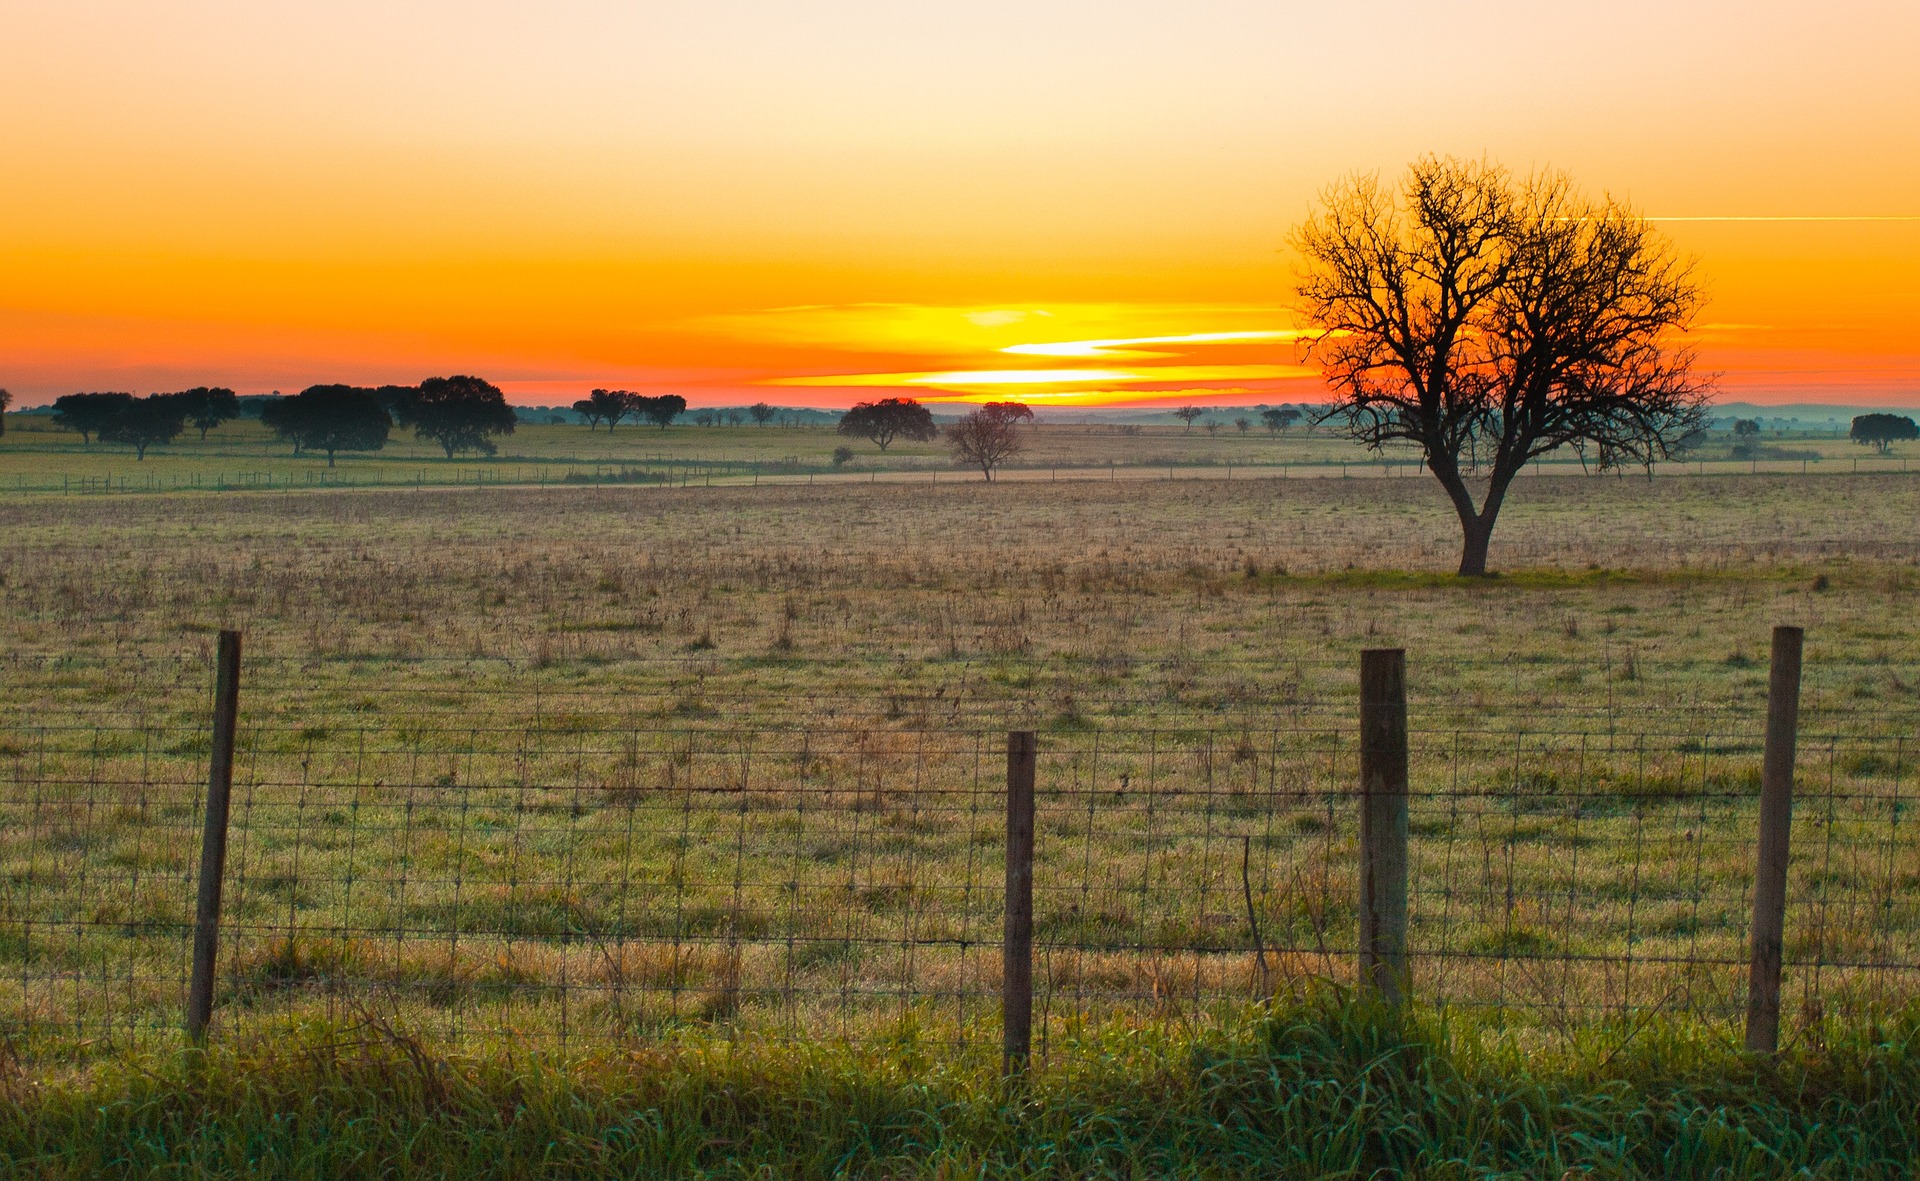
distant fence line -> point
(564, 886)
(663, 471)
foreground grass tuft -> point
(1318, 1089)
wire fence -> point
(571, 880)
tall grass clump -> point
(1316, 1088)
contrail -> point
(1796, 217)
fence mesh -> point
(570, 879)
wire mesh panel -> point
(572, 881)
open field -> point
(638, 767)
(37, 456)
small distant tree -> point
(460, 413)
(1882, 431)
(1211, 426)
(1746, 428)
(330, 418)
(842, 456)
(207, 408)
(735, 418)
(1243, 424)
(888, 419)
(609, 406)
(588, 409)
(661, 410)
(87, 413)
(703, 418)
(1188, 414)
(6, 400)
(762, 413)
(152, 421)
(1279, 418)
(988, 437)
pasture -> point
(659, 769)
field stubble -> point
(611, 761)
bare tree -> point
(988, 437)
(1188, 414)
(1243, 424)
(1490, 322)
(762, 413)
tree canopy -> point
(1490, 321)
(461, 413)
(330, 418)
(1279, 418)
(1882, 431)
(206, 408)
(608, 406)
(87, 413)
(888, 419)
(662, 409)
(140, 423)
(761, 413)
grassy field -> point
(650, 770)
(36, 455)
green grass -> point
(1317, 1088)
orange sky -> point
(743, 200)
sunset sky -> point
(817, 202)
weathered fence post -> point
(1776, 825)
(213, 840)
(1016, 987)
(1383, 822)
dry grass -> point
(622, 758)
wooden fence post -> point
(213, 840)
(1383, 822)
(1016, 987)
(1776, 826)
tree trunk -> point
(1476, 534)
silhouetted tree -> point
(6, 401)
(1490, 322)
(608, 406)
(1746, 428)
(1243, 424)
(1280, 418)
(762, 413)
(207, 408)
(1882, 431)
(988, 437)
(460, 413)
(152, 421)
(330, 418)
(87, 413)
(661, 410)
(888, 419)
(1188, 414)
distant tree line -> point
(460, 413)
(140, 423)
(610, 406)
